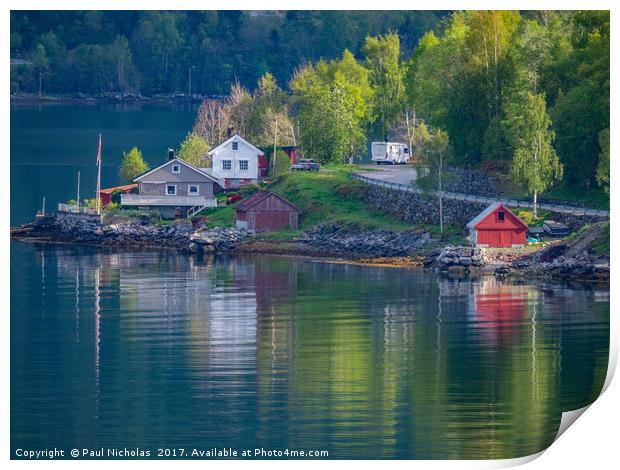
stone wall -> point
(420, 209)
(476, 183)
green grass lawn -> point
(324, 197)
(223, 216)
(332, 197)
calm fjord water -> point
(51, 143)
(152, 349)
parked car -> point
(305, 165)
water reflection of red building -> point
(272, 283)
(500, 309)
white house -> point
(237, 162)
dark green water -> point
(50, 143)
(148, 349)
(155, 350)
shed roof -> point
(260, 196)
(118, 188)
(490, 209)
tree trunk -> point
(535, 204)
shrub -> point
(249, 189)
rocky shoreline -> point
(415, 248)
(182, 236)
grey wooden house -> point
(175, 189)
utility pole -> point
(275, 138)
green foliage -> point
(194, 150)
(248, 189)
(133, 165)
(600, 245)
(535, 163)
(385, 73)
(219, 47)
(260, 117)
(439, 154)
(531, 220)
(468, 78)
(282, 165)
(602, 170)
(333, 101)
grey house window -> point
(171, 189)
(176, 168)
(235, 145)
(226, 164)
(192, 189)
(243, 165)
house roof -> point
(490, 209)
(237, 138)
(118, 188)
(260, 196)
(176, 161)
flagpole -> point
(78, 190)
(98, 200)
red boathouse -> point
(497, 227)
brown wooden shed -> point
(266, 211)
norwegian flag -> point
(99, 151)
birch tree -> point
(212, 121)
(438, 154)
(535, 164)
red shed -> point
(106, 194)
(497, 226)
(266, 211)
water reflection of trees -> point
(361, 361)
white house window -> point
(176, 168)
(235, 145)
(192, 189)
(171, 189)
(226, 164)
(243, 165)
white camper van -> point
(390, 153)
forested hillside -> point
(524, 92)
(152, 52)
